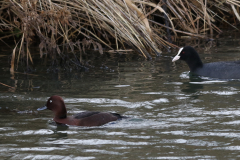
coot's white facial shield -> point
(177, 56)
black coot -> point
(220, 70)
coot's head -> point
(190, 56)
(185, 53)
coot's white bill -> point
(177, 56)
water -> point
(173, 116)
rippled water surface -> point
(172, 115)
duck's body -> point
(88, 119)
(57, 105)
(220, 70)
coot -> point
(220, 70)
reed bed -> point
(72, 26)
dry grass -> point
(115, 24)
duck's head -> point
(57, 105)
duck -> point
(89, 118)
(219, 70)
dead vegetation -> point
(147, 26)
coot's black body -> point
(220, 70)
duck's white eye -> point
(50, 101)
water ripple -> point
(95, 142)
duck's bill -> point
(177, 57)
(42, 108)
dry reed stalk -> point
(79, 24)
(6, 85)
(13, 60)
